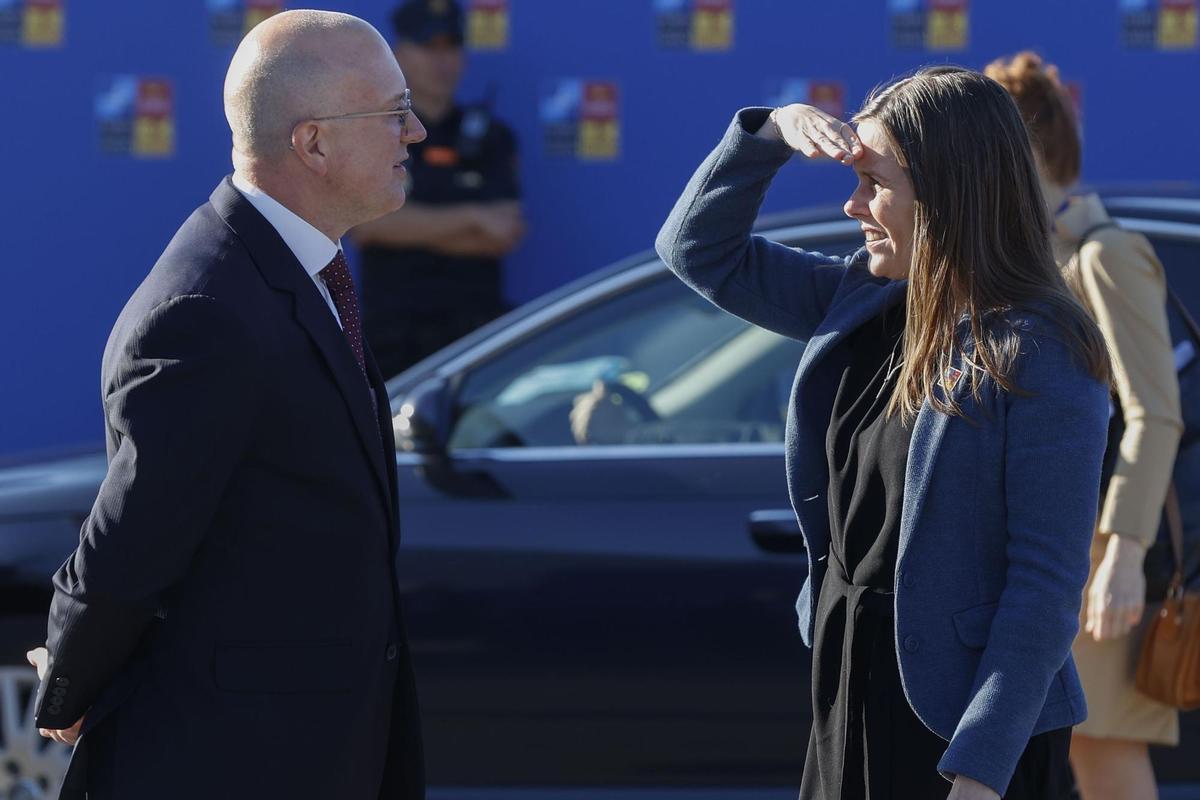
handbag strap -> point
(1175, 530)
(1189, 322)
(1092, 231)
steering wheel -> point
(632, 400)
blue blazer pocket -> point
(974, 624)
(317, 667)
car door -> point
(607, 597)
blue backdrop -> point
(115, 132)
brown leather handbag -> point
(1169, 666)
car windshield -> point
(655, 364)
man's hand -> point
(39, 659)
(502, 225)
(1117, 596)
(814, 133)
(598, 417)
(475, 230)
(966, 789)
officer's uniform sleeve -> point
(500, 155)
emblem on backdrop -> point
(32, 23)
(700, 25)
(827, 95)
(1159, 24)
(932, 25)
(488, 24)
(230, 20)
(135, 116)
(581, 119)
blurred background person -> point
(432, 272)
(1118, 277)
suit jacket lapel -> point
(283, 271)
(387, 440)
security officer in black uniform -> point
(431, 272)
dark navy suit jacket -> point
(998, 510)
(230, 621)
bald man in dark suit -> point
(229, 626)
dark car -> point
(599, 559)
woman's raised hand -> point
(814, 133)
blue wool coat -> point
(998, 508)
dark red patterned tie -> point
(341, 288)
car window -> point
(656, 364)
(1181, 260)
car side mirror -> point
(423, 424)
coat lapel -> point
(852, 310)
(283, 271)
(929, 429)
(923, 448)
(387, 440)
(815, 386)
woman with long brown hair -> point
(1118, 277)
(944, 439)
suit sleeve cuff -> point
(978, 767)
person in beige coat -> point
(1119, 278)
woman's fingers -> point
(809, 147)
(1095, 607)
(1126, 616)
(1100, 626)
(847, 134)
(1109, 618)
(835, 150)
(842, 137)
(805, 127)
(1135, 615)
(835, 138)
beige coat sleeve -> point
(1126, 288)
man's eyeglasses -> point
(402, 112)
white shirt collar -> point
(313, 249)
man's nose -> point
(414, 129)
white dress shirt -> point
(313, 249)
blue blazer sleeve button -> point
(390, 653)
(912, 644)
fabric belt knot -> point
(340, 284)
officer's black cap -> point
(423, 21)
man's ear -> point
(309, 145)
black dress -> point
(866, 742)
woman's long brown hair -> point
(981, 241)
